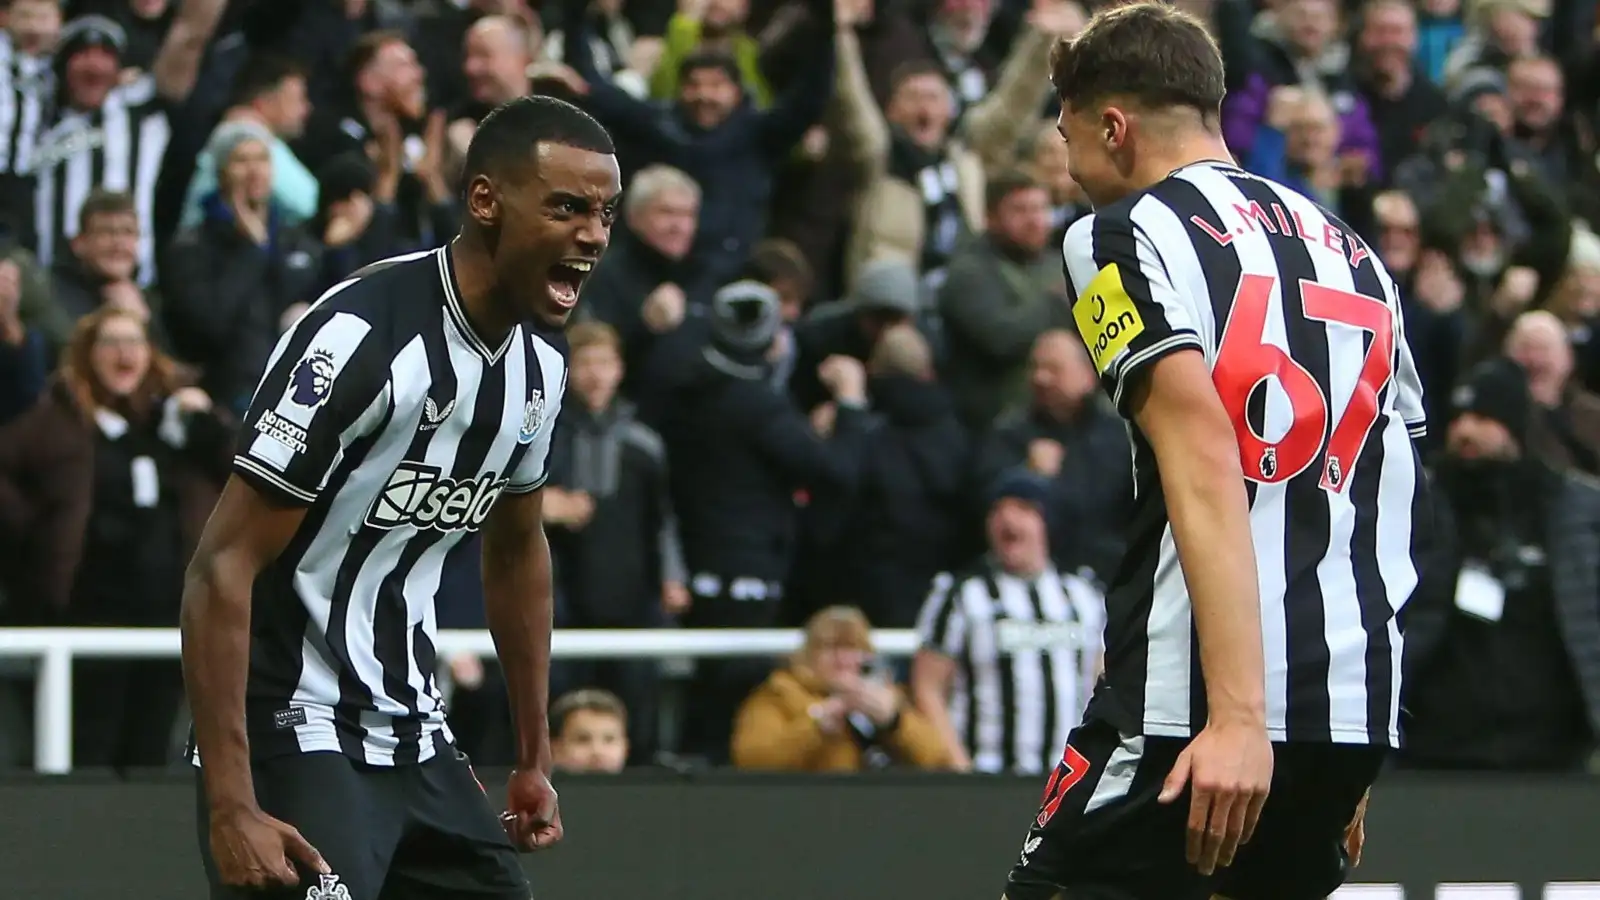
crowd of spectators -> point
(831, 321)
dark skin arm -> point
(245, 534)
(519, 600)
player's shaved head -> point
(508, 137)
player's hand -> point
(252, 849)
(532, 818)
(1355, 836)
(1228, 768)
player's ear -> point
(483, 201)
(1114, 123)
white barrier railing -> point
(55, 648)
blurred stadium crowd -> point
(878, 180)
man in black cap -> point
(739, 452)
(110, 132)
(1503, 633)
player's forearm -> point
(519, 603)
(215, 624)
(1211, 526)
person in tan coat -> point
(824, 713)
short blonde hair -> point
(653, 181)
(836, 626)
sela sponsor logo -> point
(422, 496)
(1017, 637)
(1473, 890)
(282, 430)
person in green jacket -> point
(711, 25)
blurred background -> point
(878, 179)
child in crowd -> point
(589, 731)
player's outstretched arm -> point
(245, 533)
(1229, 764)
(519, 600)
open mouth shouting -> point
(566, 278)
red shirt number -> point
(1245, 360)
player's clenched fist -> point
(252, 849)
(532, 818)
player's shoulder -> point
(375, 309)
(379, 291)
(1108, 222)
(552, 340)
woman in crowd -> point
(826, 712)
(104, 485)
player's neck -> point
(1186, 149)
(475, 283)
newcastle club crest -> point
(328, 888)
(532, 417)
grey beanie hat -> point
(229, 135)
(745, 317)
(886, 285)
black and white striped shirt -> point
(118, 147)
(1301, 326)
(385, 413)
(1026, 652)
(24, 97)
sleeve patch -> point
(1106, 316)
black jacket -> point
(1521, 690)
(910, 509)
(225, 296)
(611, 570)
(1090, 499)
(740, 451)
(615, 294)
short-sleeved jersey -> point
(118, 147)
(1025, 651)
(387, 415)
(1301, 327)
